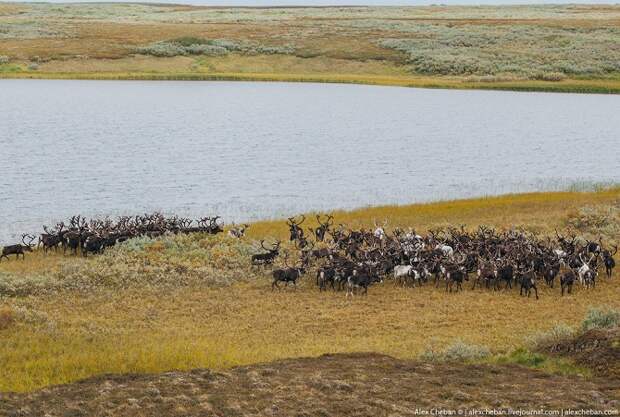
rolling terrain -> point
(193, 301)
(543, 48)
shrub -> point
(189, 41)
(550, 76)
(557, 334)
(272, 50)
(166, 262)
(33, 66)
(209, 47)
(4, 59)
(597, 221)
(459, 351)
(601, 318)
(162, 49)
(209, 50)
(536, 52)
(20, 286)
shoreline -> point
(565, 86)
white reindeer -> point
(584, 269)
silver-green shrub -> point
(555, 335)
(459, 351)
(209, 47)
(535, 52)
(162, 49)
(601, 318)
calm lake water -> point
(261, 150)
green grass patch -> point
(534, 360)
(10, 68)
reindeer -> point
(566, 281)
(323, 228)
(379, 232)
(455, 274)
(584, 268)
(360, 279)
(528, 283)
(51, 239)
(295, 228)
(268, 257)
(19, 249)
(608, 260)
(238, 231)
(287, 275)
(213, 228)
(484, 274)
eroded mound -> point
(597, 349)
(330, 385)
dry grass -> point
(64, 336)
(608, 86)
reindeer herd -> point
(94, 236)
(352, 260)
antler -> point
(31, 237)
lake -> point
(251, 151)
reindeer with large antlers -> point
(287, 275)
(268, 257)
(587, 272)
(19, 249)
(323, 228)
(51, 239)
(295, 227)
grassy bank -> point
(562, 48)
(565, 86)
(194, 301)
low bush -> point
(601, 318)
(534, 52)
(20, 286)
(549, 76)
(459, 351)
(594, 222)
(209, 47)
(4, 59)
(165, 262)
(557, 334)
(162, 49)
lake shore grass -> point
(186, 318)
(600, 86)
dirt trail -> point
(330, 385)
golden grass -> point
(63, 337)
(538, 211)
(150, 331)
(603, 86)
